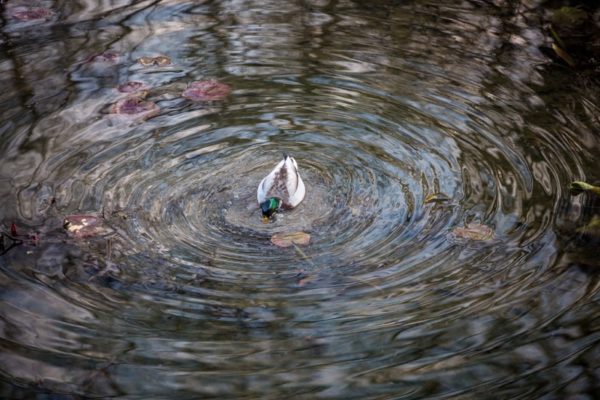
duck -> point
(281, 189)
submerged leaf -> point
(474, 232)
(580, 186)
(289, 239)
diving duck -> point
(281, 189)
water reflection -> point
(382, 104)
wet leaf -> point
(209, 90)
(160, 61)
(135, 106)
(564, 55)
(13, 229)
(580, 186)
(289, 239)
(474, 232)
(436, 198)
(31, 13)
(132, 87)
(85, 225)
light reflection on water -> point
(381, 106)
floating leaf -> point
(289, 239)
(564, 55)
(474, 232)
(579, 186)
(135, 106)
(206, 91)
(160, 61)
(436, 198)
(31, 13)
(85, 225)
(132, 87)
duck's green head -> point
(269, 207)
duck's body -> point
(283, 184)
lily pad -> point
(132, 87)
(84, 225)
(160, 61)
(31, 13)
(135, 107)
(474, 232)
(209, 90)
(289, 239)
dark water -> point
(182, 295)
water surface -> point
(382, 104)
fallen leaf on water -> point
(159, 61)
(579, 186)
(31, 13)
(135, 107)
(474, 232)
(436, 198)
(132, 87)
(84, 225)
(209, 90)
(564, 55)
(289, 239)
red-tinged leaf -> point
(135, 107)
(209, 90)
(13, 229)
(132, 87)
(289, 239)
(31, 13)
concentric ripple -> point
(383, 107)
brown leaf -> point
(474, 232)
(289, 239)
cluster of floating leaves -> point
(31, 13)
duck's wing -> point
(268, 185)
(294, 184)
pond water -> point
(180, 293)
